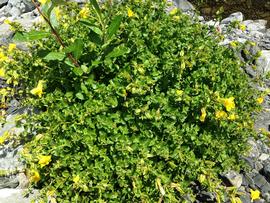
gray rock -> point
(29, 6)
(15, 12)
(263, 62)
(261, 183)
(266, 170)
(255, 26)
(264, 157)
(16, 196)
(256, 34)
(258, 166)
(206, 197)
(212, 23)
(245, 198)
(266, 196)
(238, 16)
(248, 179)
(23, 181)
(234, 178)
(254, 151)
(2, 2)
(6, 182)
(184, 5)
(5, 31)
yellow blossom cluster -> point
(34, 176)
(44, 160)
(38, 91)
(130, 13)
(84, 12)
(42, 2)
(229, 105)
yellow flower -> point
(3, 57)
(44, 160)
(43, 1)
(232, 117)
(11, 47)
(228, 103)
(221, 114)
(233, 44)
(53, 200)
(130, 13)
(35, 177)
(57, 12)
(76, 179)
(84, 13)
(202, 178)
(2, 72)
(260, 100)
(179, 92)
(242, 27)
(39, 89)
(252, 43)
(173, 11)
(254, 194)
(203, 115)
(176, 18)
(7, 21)
(236, 200)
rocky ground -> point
(13, 181)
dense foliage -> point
(152, 105)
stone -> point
(6, 182)
(29, 6)
(254, 151)
(255, 26)
(5, 31)
(248, 179)
(234, 178)
(264, 157)
(184, 5)
(266, 196)
(206, 197)
(263, 62)
(238, 16)
(2, 2)
(245, 198)
(16, 196)
(256, 34)
(266, 171)
(261, 183)
(23, 181)
(212, 23)
(258, 166)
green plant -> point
(149, 104)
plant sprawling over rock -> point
(133, 106)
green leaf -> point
(52, 56)
(30, 36)
(53, 19)
(47, 8)
(76, 48)
(80, 96)
(114, 26)
(84, 88)
(118, 51)
(77, 71)
(69, 62)
(94, 37)
(92, 26)
(96, 6)
(85, 69)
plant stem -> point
(55, 33)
